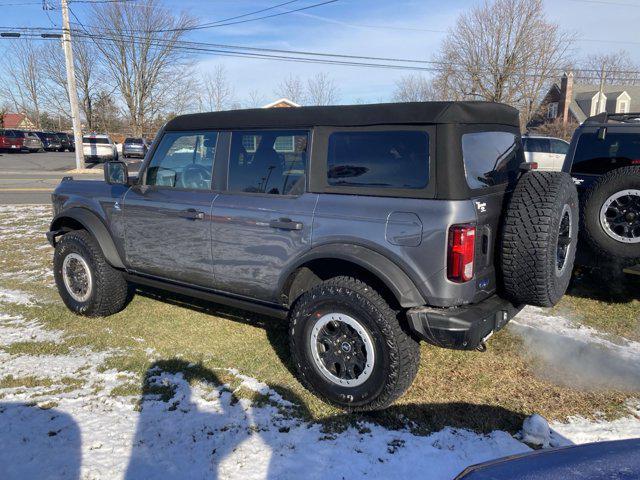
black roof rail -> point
(613, 117)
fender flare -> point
(402, 287)
(94, 225)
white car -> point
(547, 152)
(99, 148)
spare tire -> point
(610, 216)
(539, 238)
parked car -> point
(50, 141)
(548, 152)
(31, 142)
(98, 148)
(67, 142)
(134, 147)
(614, 460)
(346, 219)
(11, 141)
(604, 161)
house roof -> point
(583, 94)
(281, 102)
(14, 120)
(351, 115)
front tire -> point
(87, 284)
(348, 346)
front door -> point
(168, 214)
(263, 220)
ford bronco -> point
(370, 227)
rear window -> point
(385, 159)
(490, 158)
(595, 156)
(95, 141)
(137, 141)
(536, 145)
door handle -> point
(285, 224)
(192, 214)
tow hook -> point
(482, 346)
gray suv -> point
(370, 227)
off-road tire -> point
(397, 354)
(591, 229)
(529, 238)
(110, 291)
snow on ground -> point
(205, 431)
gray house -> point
(571, 102)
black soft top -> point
(351, 115)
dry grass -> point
(480, 391)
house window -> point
(624, 107)
(553, 110)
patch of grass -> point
(37, 348)
(480, 391)
(66, 384)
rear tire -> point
(610, 216)
(88, 285)
(539, 238)
(348, 346)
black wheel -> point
(348, 346)
(87, 284)
(610, 219)
(539, 238)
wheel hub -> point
(342, 349)
(565, 235)
(620, 216)
(77, 278)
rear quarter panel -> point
(410, 232)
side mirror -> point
(116, 173)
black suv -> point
(66, 142)
(604, 161)
(369, 227)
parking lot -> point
(29, 178)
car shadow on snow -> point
(420, 417)
(37, 443)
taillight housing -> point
(461, 253)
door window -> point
(536, 145)
(491, 158)
(559, 147)
(596, 156)
(384, 159)
(183, 160)
(268, 161)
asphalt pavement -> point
(29, 178)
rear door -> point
(168, 214)
(559, 149)
(492, 160)
(264, 218)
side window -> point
(183, 160)
(537, 145)
(268, 161)
(491, 158)
(384, 159)
(559, 147)
(595, 156)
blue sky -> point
(406, 28)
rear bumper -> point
(462, 328)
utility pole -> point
(603, 74)
(71, 85)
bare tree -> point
(255, 99)
(502, 51)
(24, 85)
(140, 50)
(218, 92)
(89, 79)
(322, 90)
(414, 88)
(618, 69)
(291, 88)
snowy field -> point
(70, 426)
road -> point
(30, 178)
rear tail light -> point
(462, 239)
